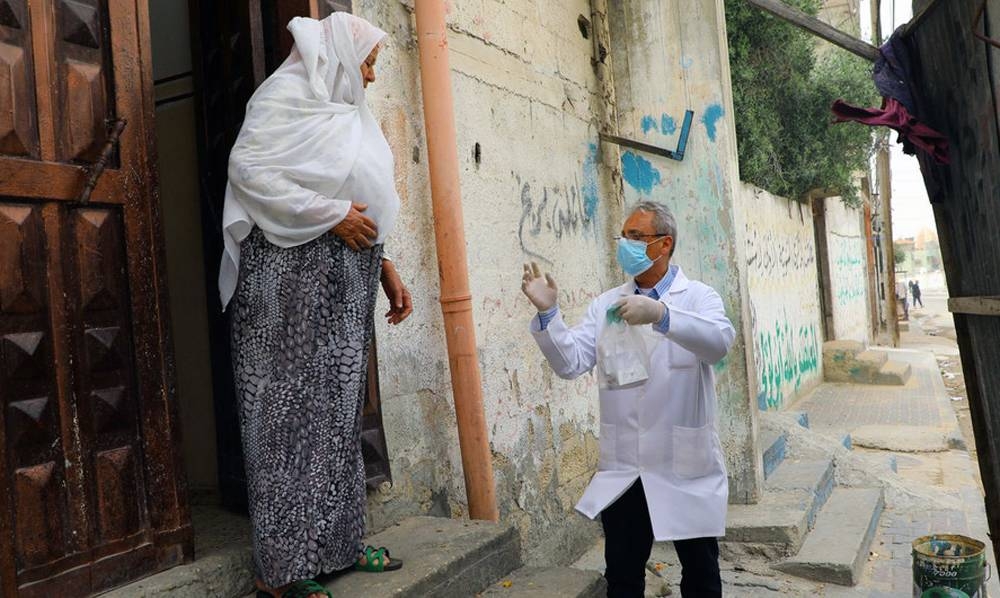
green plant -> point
(898, 254)
(782, 93)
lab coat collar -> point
(680, 284)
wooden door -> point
(92, 494)
(236, 44)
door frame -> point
(818, 205)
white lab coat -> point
(663, 431)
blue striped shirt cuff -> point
(663, 326)
(544, 317)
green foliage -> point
(898, 254)
(782, 93)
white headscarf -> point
(309, 146)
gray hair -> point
(663, 219)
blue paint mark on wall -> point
(639, 173)
(589, 190)
(667, 125)
(711, 117)
(648, 124)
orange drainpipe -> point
(449, 232)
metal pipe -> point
(449, 233)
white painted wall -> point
(846, 243)
(783, 285)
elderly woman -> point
(310, 201)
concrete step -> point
(775, 444)
(873, 357)
(866, 366)
(801, 416)
(792, 497)
(839, 358)
(549, 582)
(813, 478)
(222, 565)
(442, 558)
(894, 373)
(837, 548)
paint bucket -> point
(949, 566)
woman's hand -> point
(400, 302)
(356, 230)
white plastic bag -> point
(622, 360)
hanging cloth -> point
(309, 146)
(892, 76)
(894, 115)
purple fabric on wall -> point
(892, 114)
(892, 71)
(892, 77)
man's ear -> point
(668, 246)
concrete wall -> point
(526, 94)
(783, 286)
(848, 272)
(545, 189)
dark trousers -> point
(916, 300)
(628, 540)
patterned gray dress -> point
(301, 321)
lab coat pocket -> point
(694, 451)
(681, 357)
(606, 458)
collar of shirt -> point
(661, 287)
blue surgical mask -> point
(632, 256)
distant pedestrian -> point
(901, 298)
(915, 293)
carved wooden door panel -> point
(91, 494)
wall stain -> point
(639, 173)
(648, 124)
(589, 189)
(667, 125)
(711, 118)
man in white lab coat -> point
(661, 473)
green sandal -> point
(375, 561)
(299, 589)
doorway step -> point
(443, 558)
(852, 362)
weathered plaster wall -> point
(526, 96)
(783, 284)
(528, 105)
(848, 271)
(670, 56)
